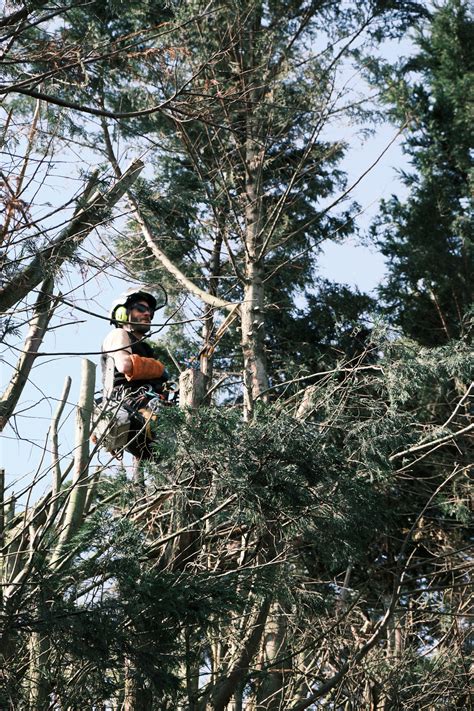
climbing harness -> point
(123, 421)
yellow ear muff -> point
(121, 314)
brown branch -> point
(42, 314)
(96, 208)
(225, 687)
(88, 109)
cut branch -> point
(80, 483)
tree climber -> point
(132, 377)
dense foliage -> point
(428, 237)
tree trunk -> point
(271, 690)
(39, 686)
(253, 340)
(81, 482)
(230, 682)
(192, 388)
(136, 696)
(253, 324)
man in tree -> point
(132, 376)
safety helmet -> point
(119, 310)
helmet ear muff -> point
(121, 314)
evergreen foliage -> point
(276, 508)
(428, 238)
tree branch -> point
(226, 686)
(173, 269)
(86, 217)
(42, 314)
(432, 443)
(170, 267)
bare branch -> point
(39, 324)
(86, 217)
(170, 267)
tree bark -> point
(80, 483)
(253, 340)
(253, 323)
(42, 314)
(192, 388)
(136, 696)
(271, 689)
(40, 648)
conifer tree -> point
(427, 237)
(242, 185)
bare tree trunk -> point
(80, 483)
(192, 388)
(252, 309)
(271, 690)
(40, 647)
(55, 465)
(206, 360)
(136, 696)
(2, 512)
(253, 340)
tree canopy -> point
(428, 238)
(300, 538)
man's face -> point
(140, 315)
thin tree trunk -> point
(80, 483)
(2, 510)
(55, 461)
(40, 648)
(271, 690)
(229, 683)
(253, 340)
(206, 359)
(253, 324)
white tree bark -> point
(81, 481)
